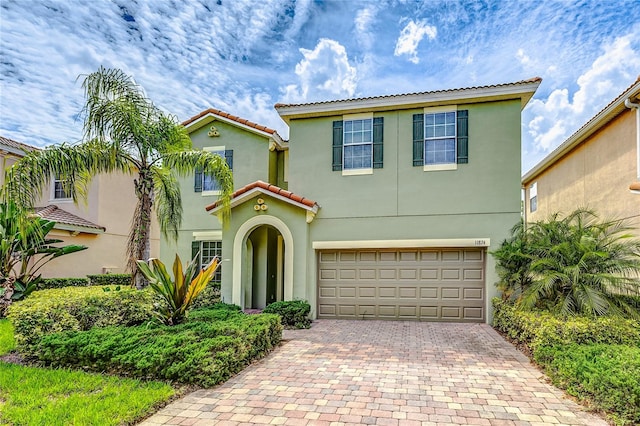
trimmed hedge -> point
(110, 279)
(608, 376)
(50, 283)
(208, 297)
(76, 308)
(200, 351)
(539, 328)
(294, 313)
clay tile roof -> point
(17, 145)
(270, 188)
(58, 215)
(635, 186)
(527, 81)
(230, 117)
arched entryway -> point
(263, 262)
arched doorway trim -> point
(239, 242)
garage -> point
(402, 284)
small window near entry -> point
(209, 250)
(61, 189)
(533, 197)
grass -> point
(39, 396)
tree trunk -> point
(139, 246)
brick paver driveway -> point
(383, 373)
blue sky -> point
(244, 56)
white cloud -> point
(522, 57)
(363, 22)
(554, 119)
(410, 36)
(324, 73)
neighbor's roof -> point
(249, 190)
(67, 221)
(15, 147)
(523, 90)
(607, 114)
(232, 119)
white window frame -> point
(220, 150)
(362, 170)
(441, 166)
(218, 275)
(533, 197)
(54, 182)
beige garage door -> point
(418, 285)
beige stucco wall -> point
(110, 203)
(596, 174)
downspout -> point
(635, 187)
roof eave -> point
(78, 228)
(209, 117)
(522, 91)
(588, 129)
(252, 192)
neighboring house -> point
(102, 224)
(377, 208)
(598, 167)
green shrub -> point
(207, 297)
(217, 312)
(294, 313)
(198, 352)
(540, 328)
(50, 283)
(606, 376)
(76, 308)
(110, 279)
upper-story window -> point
(357, 144)
(440, 138)
(61, 188)
(533, 197)
(207, 183)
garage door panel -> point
(425, 285)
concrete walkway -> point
(383, 373)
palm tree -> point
(124, 132)
(582, 265)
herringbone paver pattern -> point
(383, 373)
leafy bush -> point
(207, 297)
(76, 308)
(199, 351)
(49, 283)
(541, 329)
(607, 376)
(110, 279)
(179, 293)
(294, 313)
(572, 265)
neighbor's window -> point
(358, 144)
(440, 138)
(533, 197)
(60, 189)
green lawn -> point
(33, 396)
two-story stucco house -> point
(598, 167)
(102, 223)
(376, 208)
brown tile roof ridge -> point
(58, 215)
(270, 188)
(18, 145)
(527, 81)
(230, 117)
(635, 186)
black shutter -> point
(228, 156)
(197, 181)
(463, 136)
(195, 251)
(418, 139)
(378, 130)
(337, 145)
